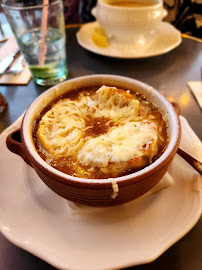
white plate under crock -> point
(167, 38)
(39, 221)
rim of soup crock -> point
(102, 79)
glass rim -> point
(29, 7)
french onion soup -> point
(100, 132)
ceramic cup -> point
(129, 23)
(96, 192)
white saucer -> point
(167, 37)
(39, 221)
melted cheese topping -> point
(115, 188)
(130, 142)
(61, 130)
(116, 104)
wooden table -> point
(168, 73)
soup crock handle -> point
(15, 145)
(176, 107)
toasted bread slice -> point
(61, 130)
(130, 146)
(116, 104)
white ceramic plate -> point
(68, 237)
(167, 38)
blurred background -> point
(185, 15)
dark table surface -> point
(169, 74)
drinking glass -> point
(38, 26)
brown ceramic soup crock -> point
(96, 192)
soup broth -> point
(131, 4)
(91, 132)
